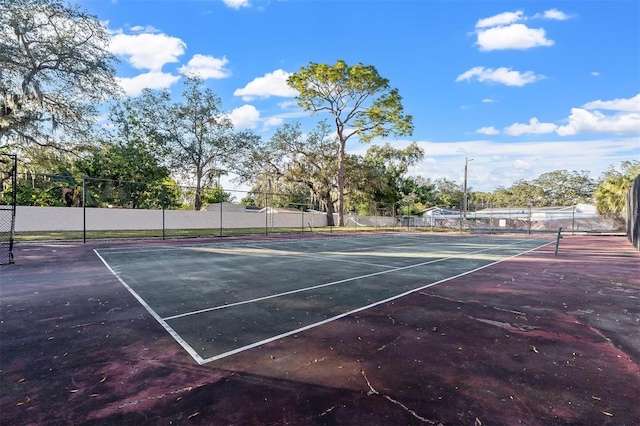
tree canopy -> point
(610, 195)
(195, 134)
(360, 101)
(292, 158)
(55, 70)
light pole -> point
(464, 202)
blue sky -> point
(522, 88)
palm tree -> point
(611, 195)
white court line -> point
(142, 249)
(286, 293)
(304, 255)
(153, 313)
(298, 330)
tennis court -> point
(220, 299)
(369, 328)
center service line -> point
(286, 293)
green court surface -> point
(222, 298)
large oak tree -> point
(197, 136)
(292, 159)
(55, 70)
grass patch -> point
(201, 233)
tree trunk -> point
(197, 205)
(341, 179)
(329, 207)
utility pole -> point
(464, 202)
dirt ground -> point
(537, 340)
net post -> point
(555, 252)
(13, 172)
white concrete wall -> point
(102, 219)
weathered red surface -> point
(538, 339)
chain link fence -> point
(580, 218)
(64, 206)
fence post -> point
(84, 209)
(266, 214)
(164, 193)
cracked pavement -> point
(538, 339)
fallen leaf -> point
(21, 380)
(93, 395)
(193, 415)
(74, 390)
(102, 380)
(596, 398)
(533, 348)
(606, 413)
(477, 422)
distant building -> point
(440, 211)
(538, 213)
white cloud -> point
(534, 127)
(514, 36)
(287, 104)
(501, 164)
(629, 105)
(206, 66)
(144, 29)
(522, 165)
(271, 84)
(488, 130)
(587, 119)
(245, 117)
(133, 86)
(553, 14)
(583, 121)
(500, 75)
(248, 117)
(272, 122)
(237, 4)
(595, 73)
(504, 18)
(147, 51)
(489, 100)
